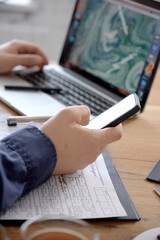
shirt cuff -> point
(38, 153)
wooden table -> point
(134, 156)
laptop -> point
(112, 49)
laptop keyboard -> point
(75, 94)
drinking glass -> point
(57, 228)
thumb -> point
(110, 135)
(78, 114)
(28, 60)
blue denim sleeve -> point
(27, 159)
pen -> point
(35, 88)
(13, 120)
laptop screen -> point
(115, 43)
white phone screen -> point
(113, 113)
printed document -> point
(86, 194)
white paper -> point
(86, 194)
(3, 135)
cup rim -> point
(39, 218)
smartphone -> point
(118, 113)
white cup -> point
(51, 228)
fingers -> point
(23, 53)
(28, 60)
(102, 138)
(29, 48)
(110, 135)
(77, 146)
(12, 60)
(77, 114)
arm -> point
(27, 159)
(22, 166)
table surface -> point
(134, 156)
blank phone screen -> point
(113, 113)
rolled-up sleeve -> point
(27, 159)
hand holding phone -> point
(118, 113)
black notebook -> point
(123, 195)
(154, 174)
